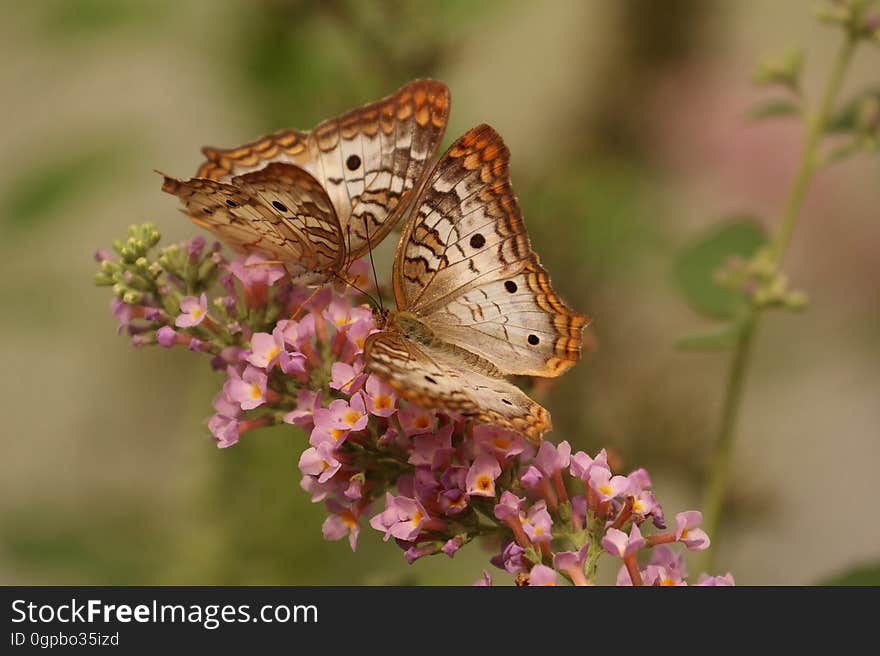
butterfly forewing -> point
(465, 266)
(367, 160)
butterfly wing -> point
(432, 378)
(465, 267)
(279, 210)
(367, 160)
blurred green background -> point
(626, 120)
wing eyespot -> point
(478, 241)
(510, 286)
(533, 340)
(231, 202)
(430, 380)
(278, 205)
(353, 163)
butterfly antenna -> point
(345, 281)
(304, 303)
(264, 263)
(373, 263)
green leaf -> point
(775, 108)
(722, 337)
(866, 574)
(696, 265)
(846, 118)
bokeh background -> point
(627, 123)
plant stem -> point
(816, 123)
(713, 502)
(716, 486)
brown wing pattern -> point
(367, 160)
(279, 210)
(464, 264)
(431, 378)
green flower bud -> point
(833, 14)
(102, 279)
(532, 554)
(777, 287)
(132, 297)
(868, 119)
(565, 511)
(170, 304)
(782, 69)
(796, 300)
(206, 268)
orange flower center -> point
(348, 519)
(502, 443)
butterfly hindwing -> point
(432, 378)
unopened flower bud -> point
(207, 268)
(796, 300)
(833, 14)
(868, 121)
(102, 279)
(782, 69)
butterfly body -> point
(474, 303)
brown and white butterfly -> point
(474, 303)
(318, 200)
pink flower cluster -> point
(591, 521)
(432, 481)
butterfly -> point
(474, 303)
(318, 200)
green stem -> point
(719, 468)
(716, 486)
(816, 123)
